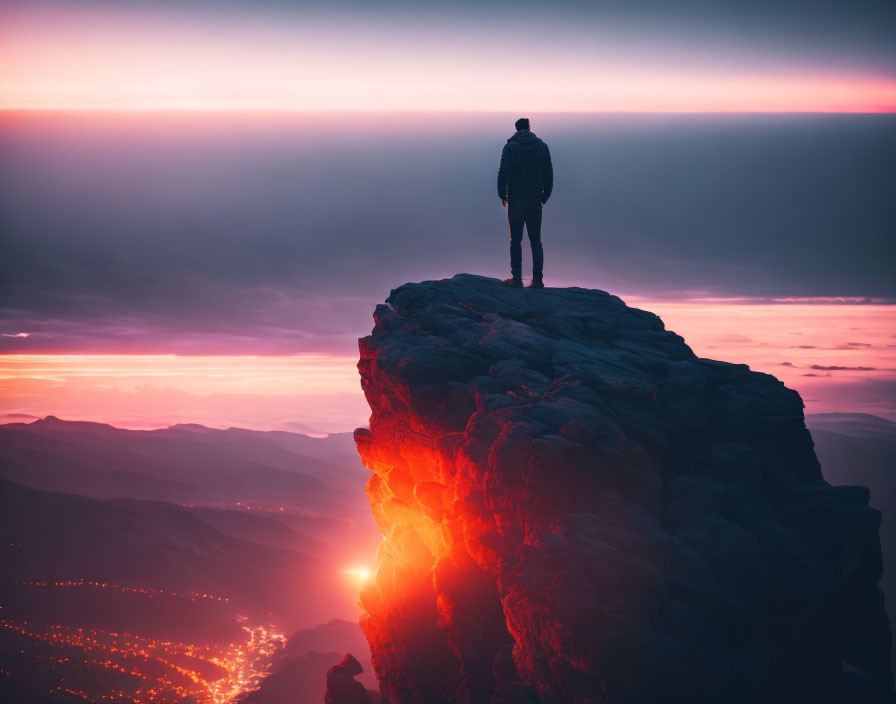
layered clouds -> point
(274, 234)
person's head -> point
(521, 124)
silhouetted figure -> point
(525, 182)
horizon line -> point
(889, 110)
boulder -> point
(342, 687)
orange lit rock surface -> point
(575, 508)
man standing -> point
(525, 182)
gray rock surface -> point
(576, 508)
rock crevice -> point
(576, 508)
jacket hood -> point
(525, 138)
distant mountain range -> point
(181, 507)
(152, 544)
(186, 464)
(266, 520)
(184, 535)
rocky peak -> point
(576, 508)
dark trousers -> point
(518, 215)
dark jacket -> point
(526, 172)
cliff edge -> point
(576, 508)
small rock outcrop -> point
(342, 687)
(576, 508)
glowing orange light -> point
(362, 573)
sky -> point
(691, 56)
(200, 203)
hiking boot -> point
(536, 283)
(515, 282)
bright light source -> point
(362, 573)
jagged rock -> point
(575, 508)
(342, 687)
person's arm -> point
(504, 174)
(547, 175)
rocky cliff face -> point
(575, 508)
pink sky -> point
(840, 357)
(161, 59)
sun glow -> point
(361, 573)
(154, 391)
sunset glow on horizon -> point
(118, 60)
(309, 393)
(832, 353)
